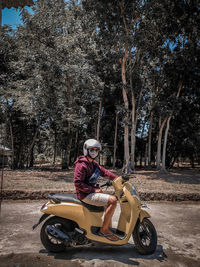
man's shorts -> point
(97, 199)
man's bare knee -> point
(112, 201)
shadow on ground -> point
(126, 254)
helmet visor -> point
(94, 149)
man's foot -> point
(109, 235)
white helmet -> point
(90, 143)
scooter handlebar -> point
(106, 184)
(125, 177)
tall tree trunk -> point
(133, 131)
(69, 146)
(165, 145)
(149, 138)
(158, 158)
(145, 155)
(167, 129)
(55, 147)
(67, 150)
(134, 112)
(64, 160)
(32, 144)
(31, 162)
(126, 165)
(99, 120)
(115, 139)
(76, 152)
(126, 117)
(141, 157)
(134, 119)
(12, 144)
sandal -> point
(109, 236)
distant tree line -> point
(124, 72)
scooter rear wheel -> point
(145, 237)
(50, 243)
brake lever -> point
(106, 184)
(109, 183)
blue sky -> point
(12, 17)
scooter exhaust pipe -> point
(59, 235)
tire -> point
(48, 241)
(145, 237)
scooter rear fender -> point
(42, 218)
(74, 212)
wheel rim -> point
(145, 234)
(53, 240)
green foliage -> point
(66, 58)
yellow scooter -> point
(76, 223)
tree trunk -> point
(99, 120)
(12, 144)
(145, 155)
(55, 146)
(165, 145)
(126, 167)
(67, 150)
(158, 158)
(133, 130)
(115, 140)
(76, 152)
(149, 139)
(134, 119)
(64, 160)
(141, 157)
(69, 146)
(31, 163)
(167, 130)
(32, 145)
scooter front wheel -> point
(145, 237)
(50, 243)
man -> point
(86, 173)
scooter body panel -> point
(75, 212)
(82, 216)
(129, 214)
(85, 219)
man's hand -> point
(98, 190)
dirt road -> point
(177, 226)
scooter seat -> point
(57, 198)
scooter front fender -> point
(144, 214)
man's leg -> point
(112, 203)
(99, 199)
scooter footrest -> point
(95, 230)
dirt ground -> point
(36, 183)
(177, 226)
